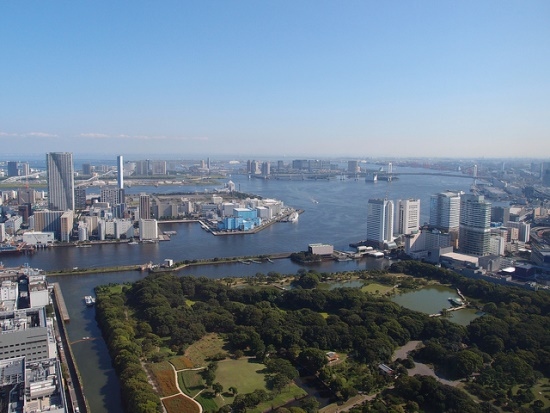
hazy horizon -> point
(313, 78)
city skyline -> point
(435, 79)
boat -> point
(371, 177)
(84, 246)
(133, 243)
(456, 301)
(293, 217)
(10, 249)
(89, 300)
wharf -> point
(61, 303)
(76, 400)
(281, 218)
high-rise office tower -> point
(120, 171)
(80, 198)
(408, 216)
(13, 168)
(25, 169)
(353, 167)
(545, 173)
(380, 221)
(111, 195)
(266, 168)
(86, 169)
(500, 214)
(26, 196)
(475, 225)
(60, 181)
(445, 210)
(144, 206)
(158, 167)
(142, 168)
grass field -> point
(205, 348)
(250, 377)
(190, 382)
(178, 404)
(164, 377)
(541, 390)
(289, 393)
(375, 288)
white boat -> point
(456, 301)
(89, 300)
(293, 217)
(133, 243)
(84, 246)
(371, 177)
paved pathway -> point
(179, 389)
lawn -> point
(190, 382)
(205, 348)
(251, 376)
(290, 392)
(164, 377)
(178, 404)
(541, 390)
(376, 288)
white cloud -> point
(41, 135)
(94, 135)
(144, 137)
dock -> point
(61, 303)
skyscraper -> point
(13, 168)
(60, 181)
(545, 173)
(353, 167)
(445, 211)
(475, 225)
(379, 221)
(144, 206)
(408, 216)
(120, 171)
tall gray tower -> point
(120, 171)
(60, 181)
(475, 225)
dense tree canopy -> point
(293, 329)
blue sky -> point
(313, 78)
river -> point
(335, 213)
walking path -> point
(179, 389)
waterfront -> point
(335, 213)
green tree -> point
(312, 359)
(217, 387)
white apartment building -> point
(445, 210)
(408, 216)
(148, 229)
(380, 221)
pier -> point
(454, 308)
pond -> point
(432, 300)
